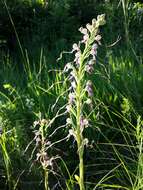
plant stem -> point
(46, 174)
(81, 163)
(79, 133)
(46, 179)
(81, 169)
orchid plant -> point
(81, 89)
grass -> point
(38, 150)
(113, 121)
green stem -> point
(46, 179)
(81, 168)
(81, 163)
(79, 133)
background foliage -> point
(32, 36)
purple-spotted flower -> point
(83, 123)
(77, 58)
(71, 78)
(94, 50)
(89, 88)
(89, 68)
(75, 47)
(85, 38)
(68, 108)
(38, 140)
(98, 38)
(73, 85)
(71, 98)
(73, 75)
(68, 67)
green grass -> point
(33, 87)
(118, 102)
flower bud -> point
(94, 23)
(101, 20)
(68, 121)
(75, 47)
(36, 123)
(68, 108)
(89, 27)
(88, 101)
(83, 30)
(85, 142)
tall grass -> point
(113, 119)
(110, 125)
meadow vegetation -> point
(71, 95)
